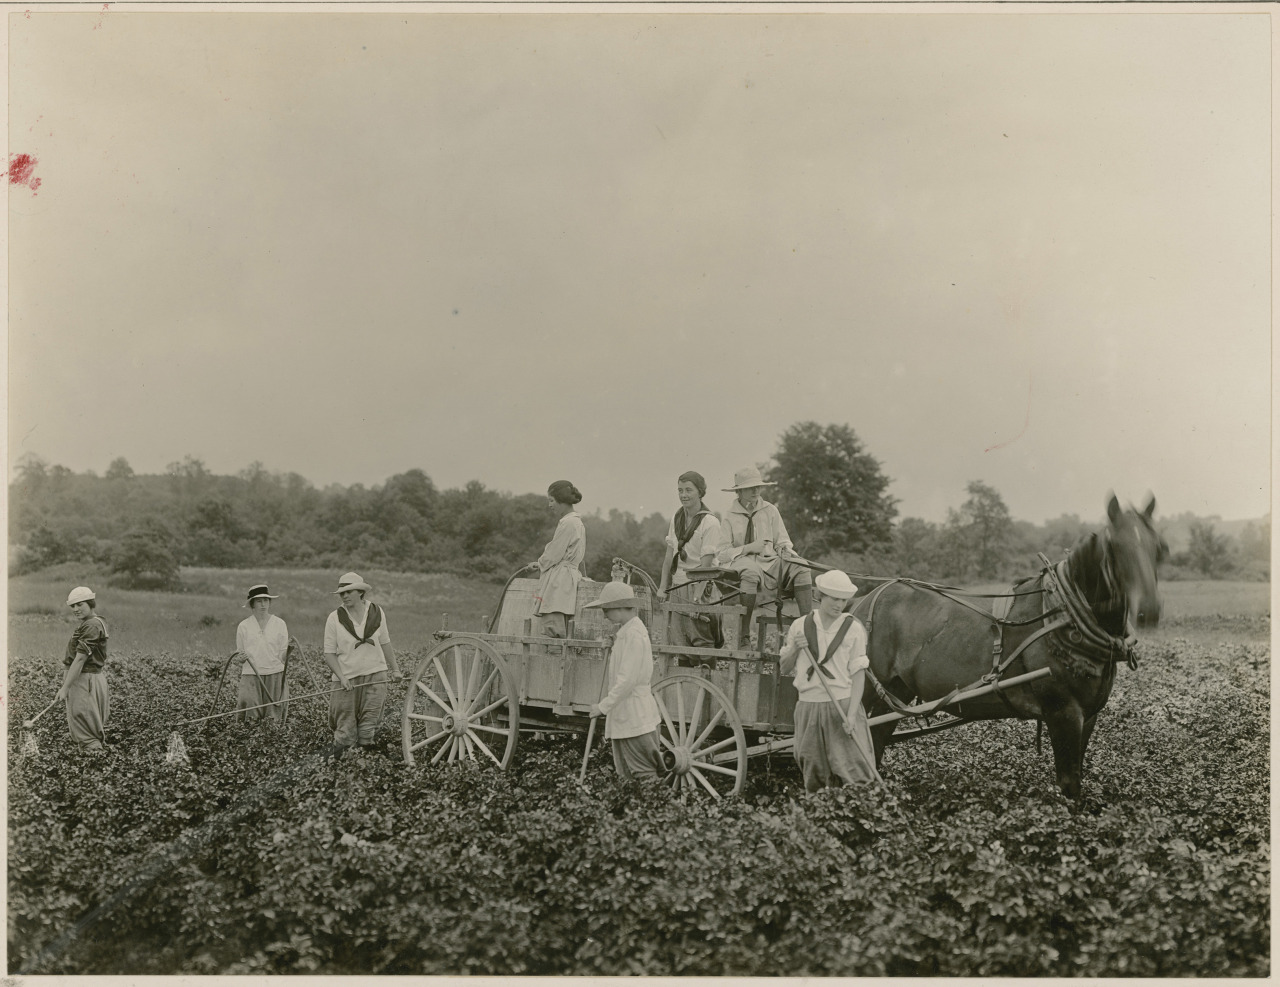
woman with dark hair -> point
(692, 541)
(263, 639)
(557, 594)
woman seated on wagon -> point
(692, 541)
(754, 543)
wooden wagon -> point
(474, 693)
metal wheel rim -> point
(694, 745)
(462, 704)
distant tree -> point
(916, 548)
(1209, 552)
(44, 547)
(979, 533)
(831, 492)
(1061, 534)
(31, 468)
(1255, 541)
(145, 556)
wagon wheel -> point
(701, 737)
(462, 703)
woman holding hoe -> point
(263, 639)
(827, 651)
(630, 711)
(357, 649)
(84, 684)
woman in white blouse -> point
(262, 639)
(692, 540)
(557, 595)
(827, 650)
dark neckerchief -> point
(683, 536)
(372, 621)
(811, 639)
(751, 520)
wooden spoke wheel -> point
(462, 705)
(700, 737)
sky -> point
(1031, 249)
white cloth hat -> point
(747, 478)
(835, 583)
(614, 596)
(351, 580)
(79, 595)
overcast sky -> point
(1032, 249)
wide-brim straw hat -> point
(351, 580)
(81, 594)
(747, 478)
(835, 583)
(615, 596)
(259, 592)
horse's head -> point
(1136, 549)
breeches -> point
(88, 706)
(637, 757)
(354, 713)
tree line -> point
(831, 491)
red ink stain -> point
(1026, 422)
(22, 171)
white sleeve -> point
(629, 671)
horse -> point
(1076, 618)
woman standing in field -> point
(692, 541)
(557, 594)
(263, 639)
(84, 684)
(827, 650)
(630, 711)
(357, 649)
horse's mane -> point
(1091, 567)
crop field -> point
(262, 856)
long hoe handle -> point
(848, 723)
(233, 712)
(591, 734)
(32, 722)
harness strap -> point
(870, 601)
(811, 639)
(998, 669)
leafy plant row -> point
(264, 857)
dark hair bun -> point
(564, 492)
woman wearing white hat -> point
(84, 684)
(827, 650)
(755, 543)
(630, 711)
(357, 649)
(263, 639)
